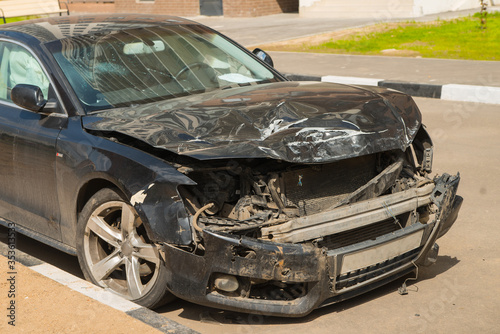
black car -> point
(173, 162)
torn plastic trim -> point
(452, 217)
(423, 149)
(292, 263)
(445, 198)
(161, 208)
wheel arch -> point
(159, 206)
(90, 188)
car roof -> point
(60, 27)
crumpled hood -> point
(302, 122)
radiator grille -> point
(316, 188)
(351, 237)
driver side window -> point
(19, 66)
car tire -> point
(115, 252)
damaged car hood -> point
(303, 122)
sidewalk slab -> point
(52, 284)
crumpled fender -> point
(148, 182)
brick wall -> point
(192, 7)
(259, 7)
(89, 7)
(166, 7)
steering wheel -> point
(198, 65)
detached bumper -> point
(306, 277)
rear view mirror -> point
(264, 56)
(143, 48)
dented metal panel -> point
(290, 121)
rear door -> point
(28, 193)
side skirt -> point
(40, 237)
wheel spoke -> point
(145, 251)
(107, 233)
(134, 283)
(106, 266)
(127, 220)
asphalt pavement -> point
(404, 69)
(251, 32)
(454, 80)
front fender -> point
(148, 182)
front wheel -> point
(114, 251)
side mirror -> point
(264, 56)
(31, 97)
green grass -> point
(19, 18)
(457, 39)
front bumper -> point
(311, 277)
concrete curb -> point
(450, 92)
(103, 296)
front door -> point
(28, 193)
(211, 7)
